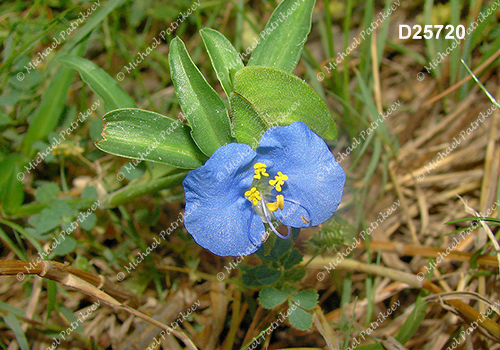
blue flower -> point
(292, 177)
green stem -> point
(133, 191)
(112, 200)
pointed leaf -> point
(51, 297)
(203, 107)
(70, 317)
(270, 297)
(412, 323)
(13, 323)
(283, 38)
(265, 97)
(139, 134)
(50, 109)
(224, 57)
(100, 82)
(12, 196)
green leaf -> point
(270, 297)
(306, 299)
(295, 274)
(293, 259)
(247, 125)
(65, 246)
(89, 222)
(13, 323)
(50, 109)
(70, 317)
(51, 297)
(89, 192)
(266, 97)
(267, 276)
(41, 146)
(145, 135)
(62, 210)
(300, 319)
(44, 222)
(47, 192)
(260, 275)
(13, 310)
(283, 38)
(12, 196)
(413, 321)
(100, 82)
(202, 106)
(224, 57)
(476, 218)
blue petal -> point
(217, 213)
(315, 179)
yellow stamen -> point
(260, 169)
(280, 203)
(253, 195)
(278, 181)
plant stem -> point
(133, 191)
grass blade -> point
(100, 82)
(13, 323)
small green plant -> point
(260, 95)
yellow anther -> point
(280, 203)
(253, 195)
(278, 181)
(260, 169)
